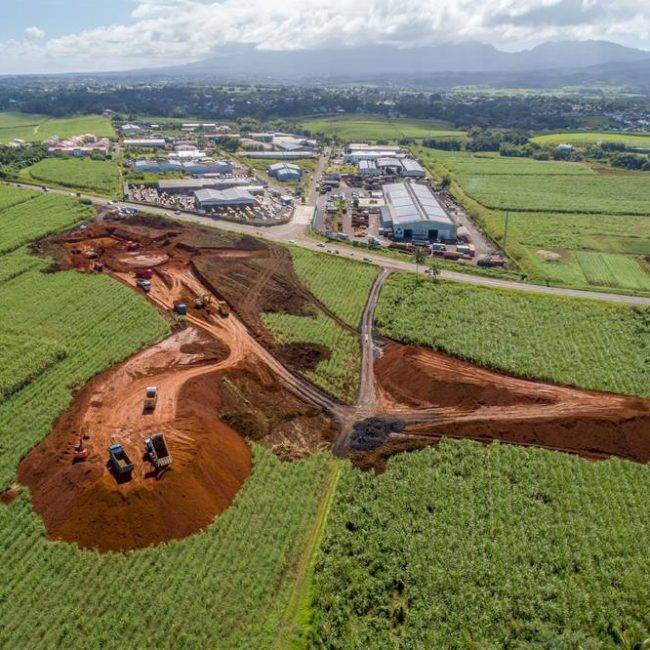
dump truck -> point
(150, 398)
(119, 460)
(180, 308)
(157, 451)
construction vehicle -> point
(150, 398)
(145, 285)
(132, 245)
(223, 309)
(80, 452)
(180, 308)
(203, 302)
(98, 267)
(146, 274)
(119, 460)
(157, 451)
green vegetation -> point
(342, 285)
(35, 128)
(556, 210)
(466, 546)
(101, 176)
(339, 375)
(230, 584)
(567, 341)
(10, 196)
(362, 128)
(37, 216)
(592, 137)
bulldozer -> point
(150, 398)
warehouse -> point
(285, 172)
(413, 213)
(412, 168)
(145, 143)
(157, 166)
(368, 168)
(385, 149)
(233, 197)
(190, 185)
(206, 166)
(389, 165)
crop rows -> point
(488, 547)
(338, 375)
(38, 217)
(578, 342)
(612, 270)
(225, 587)
(342, 285)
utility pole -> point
(505, 231)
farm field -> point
(100, 176)
(362, 128)
(36, 216)
(575, 342)
(556, 211)
(342, 285)
(472, 546)
(339, 374)
(36, 128)
(592, 137)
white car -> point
(292, 241)
(320, 245)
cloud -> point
(34, 32)
(163, 32)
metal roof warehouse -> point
(413, 212)
(233, 196)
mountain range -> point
(375, 61)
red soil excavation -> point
(214, 380)
(222, 376)
(437, 395)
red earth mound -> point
(82, 502)
(459, 399)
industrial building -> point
(412, 168)
(386, 149)
(285, 171)
(368, 168)
(157, 166)
(190, 185)
(145, 143)
(388, 165)
(279, 155)
(414, 213)
(232, 197)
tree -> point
(445, 182)
(434, 271)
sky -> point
(48, 36)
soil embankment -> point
(437, 395)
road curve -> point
(295, 234)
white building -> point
(233, 197)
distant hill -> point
(375, 61)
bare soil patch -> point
(438, 395)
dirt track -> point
(438, 395)
(223, 377)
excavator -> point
(80, 451)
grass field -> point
(361, 128)
(466, 546)
(578, 342)
(592, 137)
(342, 285)
(562, 208)
(35, 216)
(338, 375)
(100, 176)
(35, 128)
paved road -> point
(296, 233)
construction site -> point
(157, 446)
